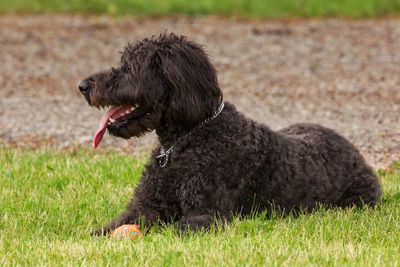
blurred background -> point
(334, 62)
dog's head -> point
(160, 80)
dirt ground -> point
(340, 73)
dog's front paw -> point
(185, 227)
(103, 231)
(195, 223)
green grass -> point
(50, 200)
(243, 8)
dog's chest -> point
(190, 175)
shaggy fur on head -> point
(227, 165)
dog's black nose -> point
(84, 86)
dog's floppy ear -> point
(192, 84)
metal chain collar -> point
(164, 154)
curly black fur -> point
(228, 165)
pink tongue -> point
(113, 113)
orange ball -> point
(131, 231)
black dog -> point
(212, 160)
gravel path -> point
(339, 73)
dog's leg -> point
(142, 208)
(196, 222)
(122, 219)
(198, 211)
(365, 191)
(145, 217)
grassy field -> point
(50, 200)
(243, 8)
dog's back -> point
(328, 168)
